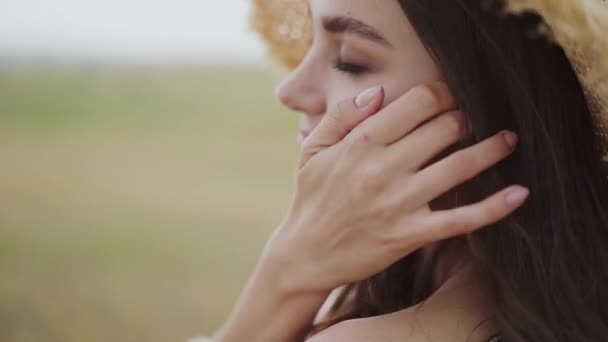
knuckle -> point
(306, 145)
(391, 237)
(309, 148)
(363, 137)
(389, 213)
(385, 220)
(390, 241)
(358, 139)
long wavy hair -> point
(547, 264)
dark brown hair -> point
(547, 264)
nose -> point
(302, 90)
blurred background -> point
(144, 161)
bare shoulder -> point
(418, 324)
(454, 313)
(401, 326)
(360, 330)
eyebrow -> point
(356, 27)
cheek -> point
(409, 78)
(396, 82)
(347, 91)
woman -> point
(395, 184)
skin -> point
(361, 197)
(316, 86)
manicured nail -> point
(366, 97)
(511, 138)
(516, 196)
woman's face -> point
(357, 44)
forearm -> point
(266, 312)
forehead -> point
(385, 16)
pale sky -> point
(130, 30)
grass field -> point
(134, 202)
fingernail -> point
(516, 197)
(511, 138)
(366, 97)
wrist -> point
(268, 310)
(288, 276)
(280, 300)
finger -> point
(426, 142)
(337, 124)
(407, 112)
(441, 225)
(463, 165)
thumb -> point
(337, 124)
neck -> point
(453, 258)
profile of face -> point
(357, 44)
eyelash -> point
(350, 68)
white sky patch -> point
(215, 31)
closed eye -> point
(350, 68)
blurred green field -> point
(134, 201)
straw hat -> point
(580, 26)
